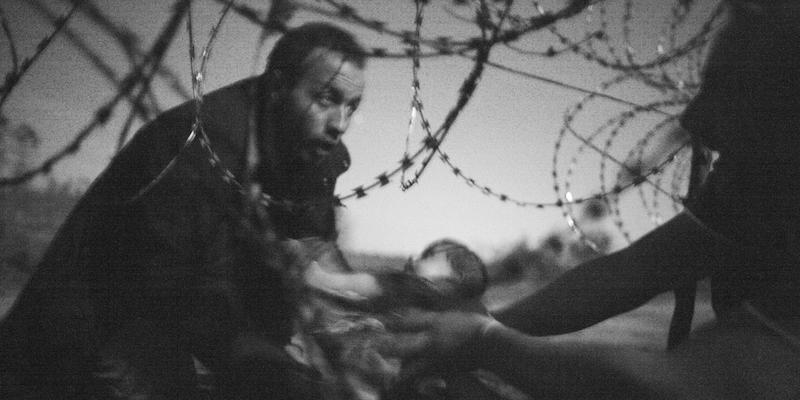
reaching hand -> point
(448, 335)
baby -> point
(337, 327)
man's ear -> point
(272, 86)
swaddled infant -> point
(338, 331)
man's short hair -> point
(287, 60)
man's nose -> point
(338, 121)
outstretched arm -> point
(678, 252)
(540, 367)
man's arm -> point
(673, 254)
(544, 368)
(540, 367)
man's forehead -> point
(325, 66)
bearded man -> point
(151, 270)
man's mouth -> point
(322, 147)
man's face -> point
(317, 110)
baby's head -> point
(446, 260)
(341, 306)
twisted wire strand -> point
(142, 73)
(13, 78)
(429, 146)
(614, 124)
(477, 49)
(12, 46)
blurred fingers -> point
(413, 368)
(410, 320)
(406, 345)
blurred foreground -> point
(29, 217)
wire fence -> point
(600, 32)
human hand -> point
(440, 335)
(348, 286)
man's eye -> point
(351, 108)
(326, 99)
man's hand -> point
(438, 335)
(350, 286)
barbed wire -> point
(12, 47)
(651, 209)
(640, 179)
(141, 75)
(681, 89)
(428, 143)
(498, 26)
(416, 101)
(20, 69)
(128, 42)
(431, 143)
(103, 67)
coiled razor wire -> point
(141, 74)
(673, 72)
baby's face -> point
(433, 267)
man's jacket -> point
(158, 237)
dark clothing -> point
(170, 257)
(747, 110)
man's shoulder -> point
(223, 113)
(228, 103)
(159, 141)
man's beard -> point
(293, 149)
(292, 169)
